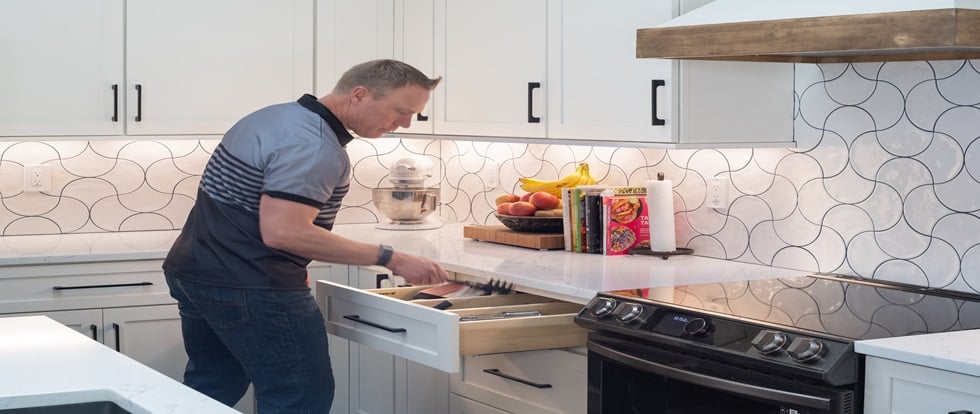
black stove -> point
(801, 328)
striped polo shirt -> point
(292, 151)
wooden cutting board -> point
(503, 235)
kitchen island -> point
(45, 363)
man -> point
(265, 207)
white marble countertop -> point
(949, 351)
(46, 363)
(560, 274)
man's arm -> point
(288, 226)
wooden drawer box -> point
(391, 321)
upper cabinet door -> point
(414, 44)
(491, 55)
(598, 89)
(349, 32)
(196, 67)
(62, 63)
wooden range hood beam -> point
(939, 34)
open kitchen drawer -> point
(391, 321)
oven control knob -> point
(806, 349)
(770, 342)
(601, 307)
(628, 312)
(697, 327)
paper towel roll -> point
(660, 201)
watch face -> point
(384, 255)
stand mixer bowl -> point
(405, 205)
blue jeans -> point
(274, 339)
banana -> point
(579, 177)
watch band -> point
(384, 255)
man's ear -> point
(359, 93)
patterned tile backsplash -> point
(883, 182)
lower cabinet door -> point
(462, 405)
(88, 322)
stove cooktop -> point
(845, 307)
(800, 326)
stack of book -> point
(606, 220)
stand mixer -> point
(408, 204)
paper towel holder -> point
(645, 251)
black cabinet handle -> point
(101, 286)
(115, 327)
(531, 86)
(380, 277)
(961, 412)
(495, 371)
(139, 102)
(115, 103)
(95, 331)
(421, 118)
(357, 318)
(657, 83)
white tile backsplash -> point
(883, 182)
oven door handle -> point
(769, 394)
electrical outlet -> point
(490, 176)
(37, 178)
(717, 196)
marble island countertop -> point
(45, 363)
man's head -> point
(379, 96)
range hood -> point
(817, 31)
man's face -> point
(373, 116)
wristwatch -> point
(384, 255)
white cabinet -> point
(124, 305)
(461, 405)
(349, 32)
(532, 382)
(567, 70)
(381, 383)
(196, 67)
(149, 67)
(901, 388)
(62, 70)
(492, 56)
(414, 44)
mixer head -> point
(410, 172)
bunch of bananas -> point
(579, 177)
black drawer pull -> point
(102, 286)
(961, 412)
(357, 318)
(95, 331)
(115, 103)
(139, 103)
(115, 327)
(495, 371)
(531, 86)
(657, 83)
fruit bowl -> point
(532, 224)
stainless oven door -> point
(627, 377)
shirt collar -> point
(309, 102)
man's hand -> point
(416, 270)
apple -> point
(543, 200)
(506, 198)
(522, 208)
(504, 208)
(526, 196)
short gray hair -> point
(383, 75)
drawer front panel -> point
(414, 332)
(549, 381)
(59, 291)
